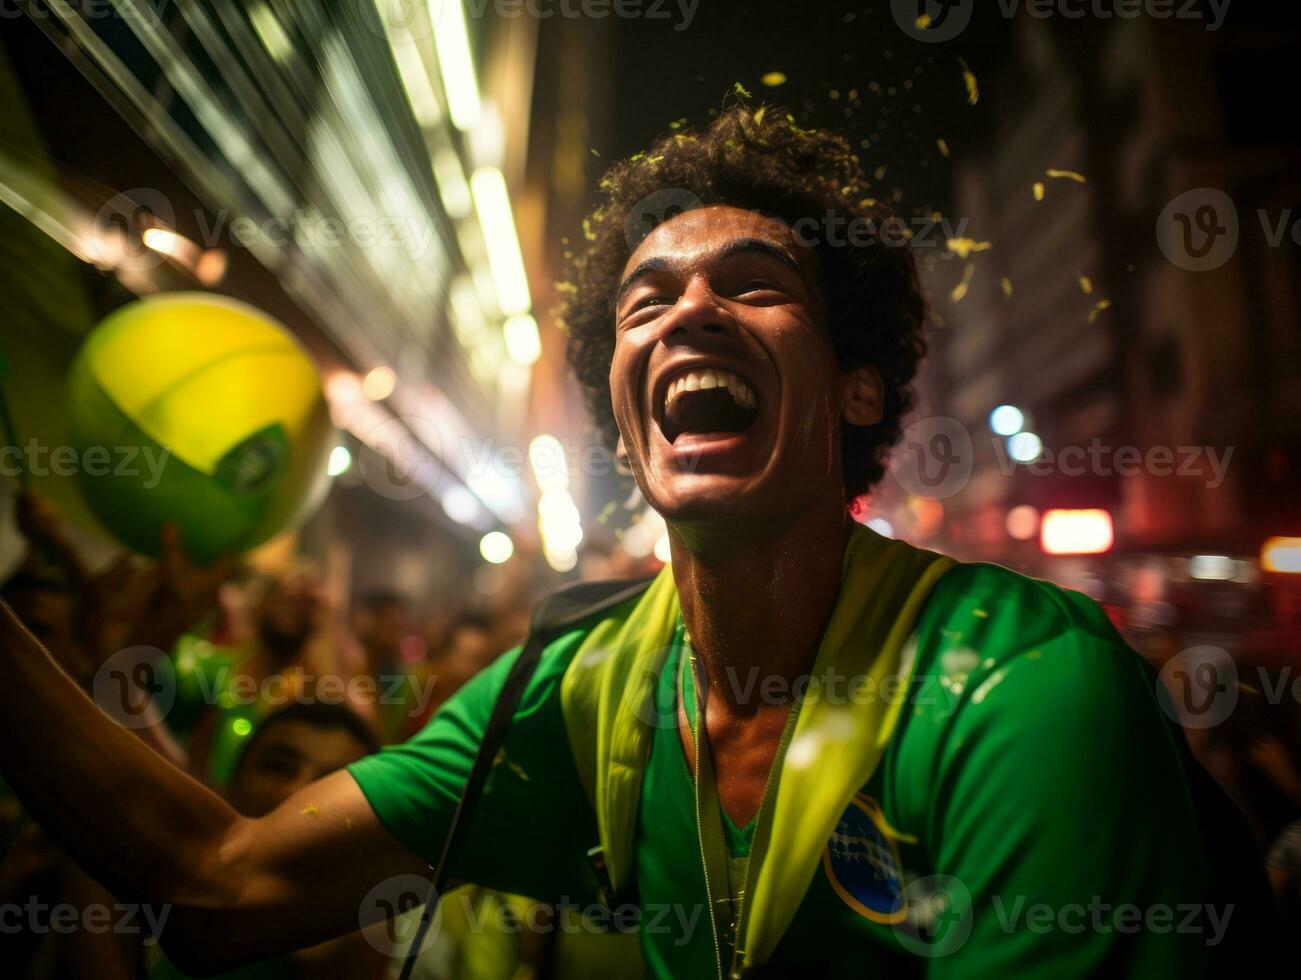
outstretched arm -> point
(236, 889)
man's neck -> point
(755, 605)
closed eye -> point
(652, 300)
(755, 286)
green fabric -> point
(204, 674)
(739, 839)
(606, 697)
(533, 826)
(1029, 761)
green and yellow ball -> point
(229, 402)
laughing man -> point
(802, 747)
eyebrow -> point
(738, 246)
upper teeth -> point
(740, 391)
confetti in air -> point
(1102, 305)
(1006, 283)
(773, 79)
(1074, 175)
(924, 22)
(1038, 190)
(964, 247)
(1086, 285)
(944, 147)
(960, 290)
(973, 87)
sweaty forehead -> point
(693, 236)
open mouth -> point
(708, 401)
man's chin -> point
(706, 498)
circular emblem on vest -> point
(862, 863)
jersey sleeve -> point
(533, 824)
(1057, 813)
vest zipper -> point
(704, 859)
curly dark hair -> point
(760, 160)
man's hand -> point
(152, 605)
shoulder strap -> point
(556, 613)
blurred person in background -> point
(224, 689)
(291, 748)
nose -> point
(697, 315)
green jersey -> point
(1033, 811)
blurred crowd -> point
(259, 682)
(256, 683)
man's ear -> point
(864, 396)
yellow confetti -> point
(879, 173)
(960, 290)
(1086, 285)
(944, 147)
(1006, 283)
(964, 247)
(980, 613)
(973, 87)
(923, 22)
(595, 153)
(1102, 305)
(678, 123)
(1074, 175)
(741, 90)
(1038, 190)
(311, 811)
(758, 114)
(773, 79)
